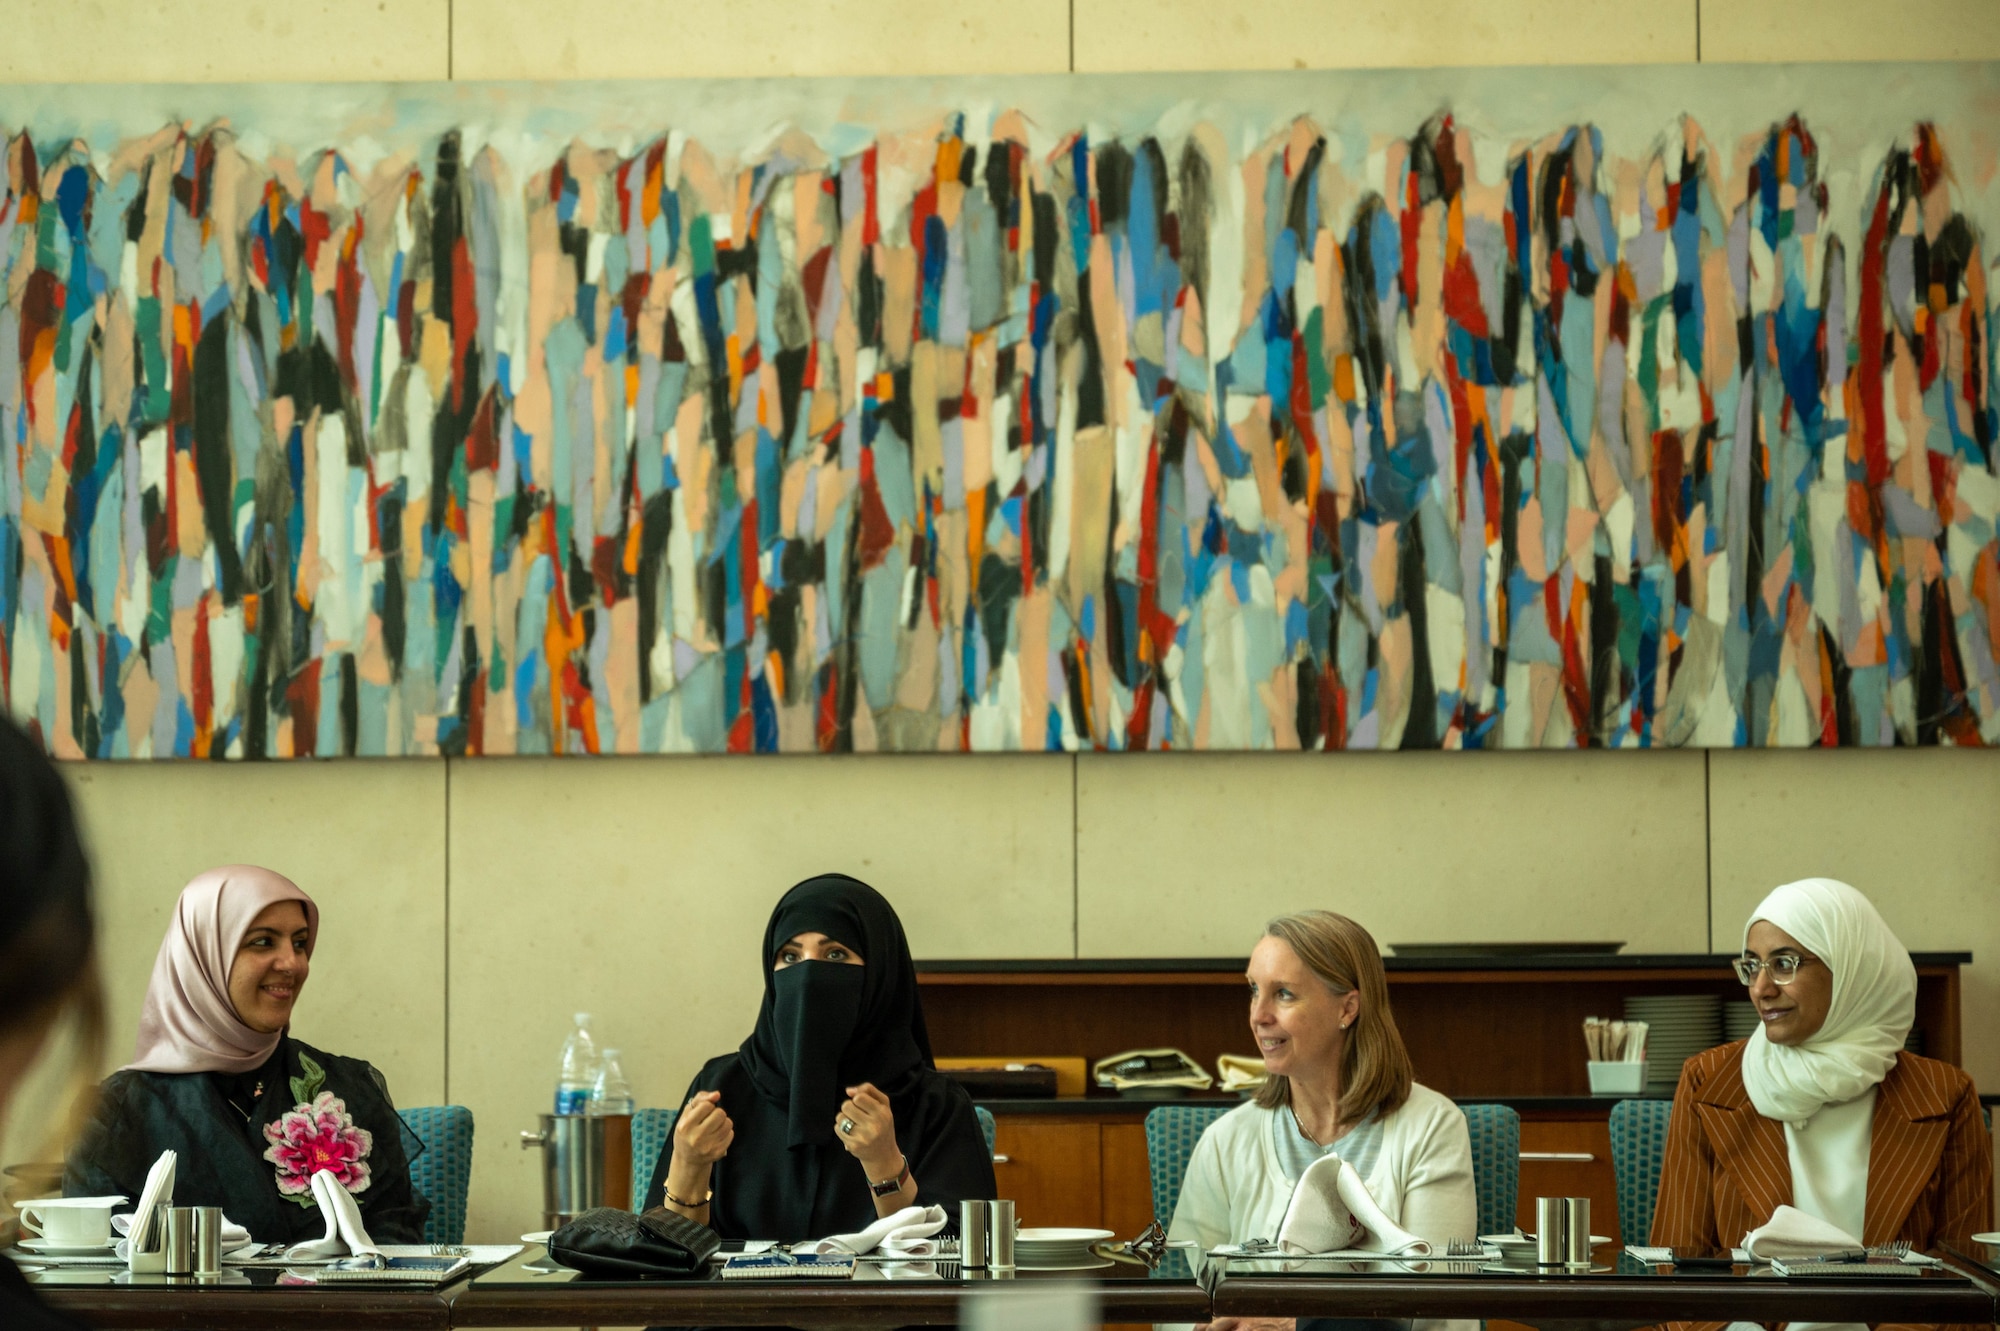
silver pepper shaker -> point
(1000, 1239)
(1576, 1227)
(180, 1240)
(1551, 1231)
(208, 1240)
(972, 1236)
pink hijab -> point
(189, 1023)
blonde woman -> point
(1340, 1084)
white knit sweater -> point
(1422, 1180)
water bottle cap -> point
(609, 1052)
(581, 1019)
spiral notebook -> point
(778, 1265)
(388, 1271)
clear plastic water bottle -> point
(579, 1069)
(612, 1094)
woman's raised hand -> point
(703, 1133)
(867, 1128)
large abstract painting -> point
(1424, 409)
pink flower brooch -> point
(318, 1134)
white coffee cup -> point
(71, 1222)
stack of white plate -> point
(1679, 1026)
(1739, 1019)
(1058, 1249)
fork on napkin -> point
(905, 1233)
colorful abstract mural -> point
(1498, 409)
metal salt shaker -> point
(972, 1236)
(1576, 1228)
(1551, 1231)
(208, 1240)
(180, 1241)
(1000, 1238)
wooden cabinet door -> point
(1051, 1169)
(1127, 1180)
(1582, 1169)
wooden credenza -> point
(1496, 1028)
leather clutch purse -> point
(610, 1242)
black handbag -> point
(610, 1242)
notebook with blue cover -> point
(777, 1265)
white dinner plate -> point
(1991, 1238)
(537, 1236)
(1030, 1237)
(1095, 1263)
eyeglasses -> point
(1784, 967)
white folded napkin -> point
(159, 1191)
(1332, 1211)
(905, 1233)
(345, 1234)
(1790, 1232)
(233, 1235)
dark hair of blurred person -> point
(48, 969)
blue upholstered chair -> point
(986, 1126)
(1496, 1164)
(1638, 1141)
(1171, 1132)
(442, 1171)
(650, 1130)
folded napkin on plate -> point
(233, 1234)
(1332, 1211)
(1239, 1072)
(906, 1233)
(1790, 1232)
(345, 1234)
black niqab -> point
(825, 1026)
(822, 1028)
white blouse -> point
(1829, 1156)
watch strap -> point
(893, 1185)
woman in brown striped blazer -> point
(1822, 1109)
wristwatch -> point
(890, 1186)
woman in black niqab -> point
(802, 1131)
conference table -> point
(529, 1290)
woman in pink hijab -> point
(253, 1111)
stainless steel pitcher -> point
(572, 1165)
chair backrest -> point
(442, 1171)
(650, 1130)
(1638, 1141)
(1496, 1164)
(1171, 1132)
(986, 1126)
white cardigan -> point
(1422, 1180)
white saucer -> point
(43, 1248)
(1991, 1238)
(1030, 1237)
(1521, 1247)
(537, 1236)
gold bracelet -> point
(692, 1206)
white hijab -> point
(1874, 1003)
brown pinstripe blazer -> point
(1726, 1169)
